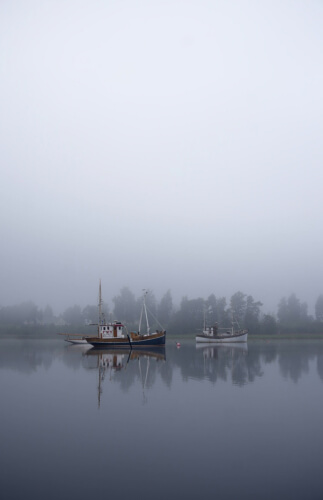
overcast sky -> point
(164, 144)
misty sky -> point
(162, 144)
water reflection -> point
(111, 361)
(157, 354)
(236, 363)
(225, 361)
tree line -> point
(186, 318)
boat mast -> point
(146, 311)
(100, 307)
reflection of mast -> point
(108, 359)
(115, 360)
(144, 381)
(99, 385)
(157, 353)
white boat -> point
(211, 334)
(227, 337)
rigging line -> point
(147, 369)
(148, 329)
(139, 329)
(161, 326)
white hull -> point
(222, 339)
(77, 341)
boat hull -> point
(155, 339)
(222, 339)
(109, 342)
(77, 341)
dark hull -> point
(94, 351)
(157, 352)
(110, 342)
(156, 339)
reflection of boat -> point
(212, 350)
(101, 352)
(138, 339)
(113, 360)
(211, 334)
(223, 359)
(109, 334)
(157, 353)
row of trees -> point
(188, 317)
(292, 314)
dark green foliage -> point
(292, 316)
(20, 314)
(187, 319)
(48, 317)
(268, 325)
(319, 309)
(291, 311)
(216, 312)
(238, 307)
(125, 306)
(90, 314)
(221, 311)
(73, 315)
(252, 315)
(165, 309)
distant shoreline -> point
(274, 336)
(54, 332)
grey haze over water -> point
(171, 145)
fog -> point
(168, 144)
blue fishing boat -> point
(139, 339)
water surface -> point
(195, 422)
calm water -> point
(224, 423)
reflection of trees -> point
(227, 363)
(269, 354)
(254, 364)
(294, 358)
(320, 365)
(222, 362)
(25, 356)
(125, 367)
